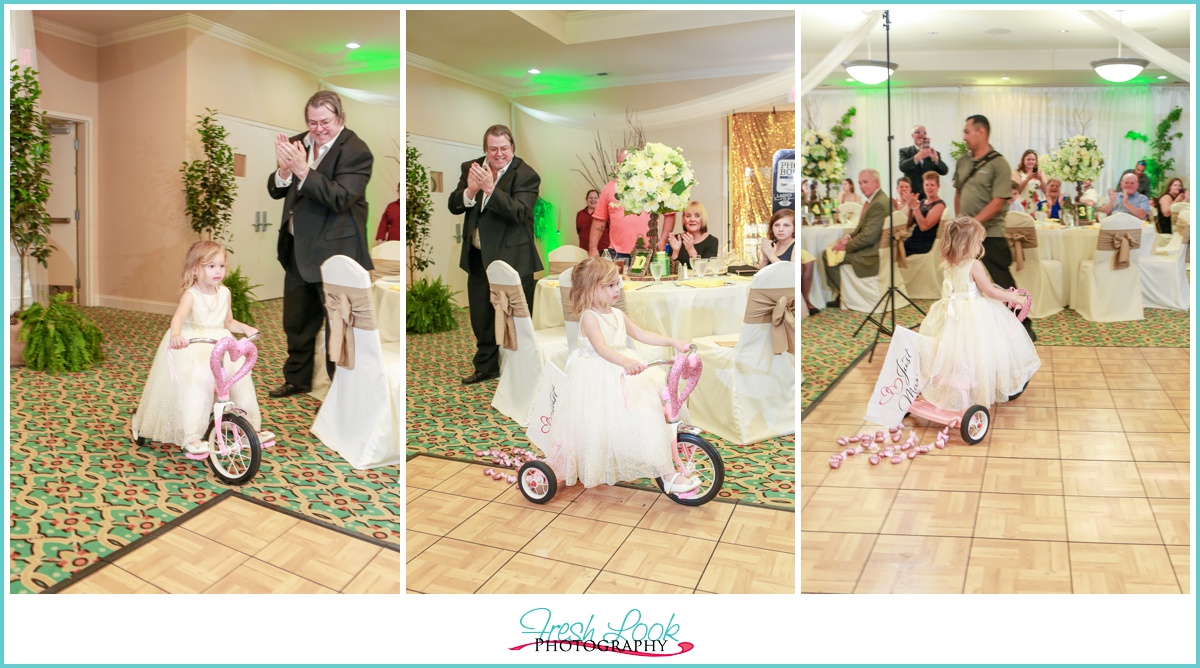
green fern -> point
(429, 307)
(242, 299)
(60, 337)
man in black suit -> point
(919, 158)
(322, 177)
(497, 194)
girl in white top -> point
(973, 350)
(608, 424)
(177, 401)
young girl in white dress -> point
(608, 419)
(973, 349)
(177, 410)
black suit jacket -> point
(506, 225)
(915, 170)
(330, 210)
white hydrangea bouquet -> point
(821, 160)
(1076, 159)
(655, 179)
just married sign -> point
(541, 413)
(900, 380)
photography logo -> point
(632, 636)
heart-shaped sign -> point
(686, 368)
(236, 350)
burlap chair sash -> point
(384, 268)
(509, 301)
(1121, 241)
(564, 295)
(777, 307)
(898, 254)
(557, 266)
(1020, 238)
(348, 309)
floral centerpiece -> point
(821, 160)
(654, 180)
(1076, 159)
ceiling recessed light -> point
(535, 71)
(353, 45)
(850, 79)
(1063, 30)
(1162, 77)
(1004, 78)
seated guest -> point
(903, 191)
(1090, 197)
(1174, 193)
(1029, 178)
(1139, 170)
(1128, 200)
(923, 219)
(1054, 201)
(1014, 204)
(848, 194)
(807, 268)
(861, 245)
(781, 232)
(694, 241)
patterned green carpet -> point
(447, 419)
(81, 489)
(828, 348)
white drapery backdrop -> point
(1021, 118)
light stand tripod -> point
(888, 300)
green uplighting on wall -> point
(551, 83)
(545, 225)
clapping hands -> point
(290, 157)
(479, 178)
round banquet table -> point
(815, 239)
(387, 294)
(677, 311)
(1073, 245)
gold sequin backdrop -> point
(753, 139)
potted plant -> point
(208, 183)
(60, 337)
(241, 296)
(429, 307)
(418, 209)
(29, 187)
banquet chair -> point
(1164, 280)
(1104, 293)
(523, 350)
(563, 258)
(923, 275)
(386, 258)
(747, 393)
(570, 320)
(848, 212)
(1042, 278)
(361, 416)
(888, 266)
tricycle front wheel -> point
(975, 423)
(701, 459)
(537, 481)
(237, 462)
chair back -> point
(1021, 230)
(386, 258)
(565, 257)
(848, 212)
(353, 332)
(570, 320)
(514, 327)
(770, 319)
(1121, 224)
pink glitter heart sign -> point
(236, 350)
(686, 368)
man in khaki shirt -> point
(982, 188)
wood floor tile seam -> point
(109, 565)
(1014, 539)
(206, 589)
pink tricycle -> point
(689, 451)
(972, 423)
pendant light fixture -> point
(869, 71)
(1119, 69)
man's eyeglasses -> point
(325, 124)
(920, 132)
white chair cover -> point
(923, 276)
(858, 294)
(521, 369)
(570, 320)
(747, 393)
(564, 257)
(1104, 294)
(1164, 277)
(1042, 278)
(361, 416)
(848, 212)
(388, 250)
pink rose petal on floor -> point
(897, 459)
(874, 459)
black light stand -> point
(888, 300)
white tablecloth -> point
(815, 239)
(674, 310)
(388, 296)
(1073, 245)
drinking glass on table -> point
(656, 270)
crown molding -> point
(70, 34)
(423, 63)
